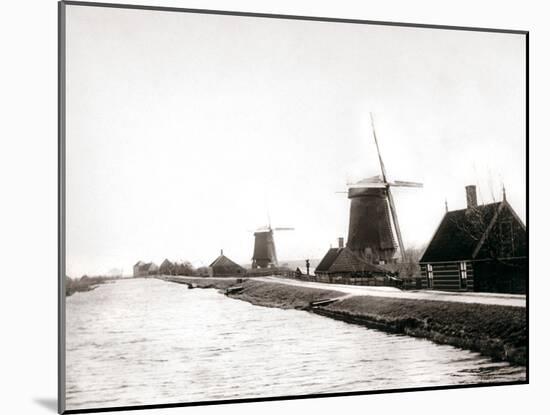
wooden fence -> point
(379, 281)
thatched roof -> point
(223, 261)
(344, 260)
(462, 233)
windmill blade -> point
(376, 182)
(283, 229)
(396, 225)
(381, 185)
(401, 183)
(382, 168)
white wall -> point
(28, 221)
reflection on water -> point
(145, 341)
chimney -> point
(471, 197)
(340, 242)
(221, 251)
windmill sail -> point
(382, 168)
(388, 192)
(372, 213)
(396, 225)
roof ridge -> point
(478, 206)
(222, 257)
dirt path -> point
(515, 300)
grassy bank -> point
(496, 331)
(84, 284)
(218, 283)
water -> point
(146, 341)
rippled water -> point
(146, 341)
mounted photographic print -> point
(258, 207)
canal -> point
(146, 341)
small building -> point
(481, 248)
(143, 269)
(152, 268)
(167, 268)
(138, 270)
(224, 267)
(344, 264)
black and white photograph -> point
(279, 207)
(258, 207)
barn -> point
(224, 267)
(142, 269)
(139, 269)
(481, 248)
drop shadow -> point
(48, 403)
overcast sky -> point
(185, 130)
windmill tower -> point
(265, 255)
(372, 214)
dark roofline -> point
(433, 248)
(433, 236)
(437, 237)
(327, 260)
(219, 258)
(332, 256)
(503, 204)
(509, 206)
(478, 206)
(489, 227)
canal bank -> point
(496, 331)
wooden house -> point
(152, 268)
(481, 248)
(224, 267)
(142, 269)
(138, 269)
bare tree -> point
(202, 271)
(486, 230)
(410, 267)
(495, 233)
(184, 268)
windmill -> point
(372, 212)
(265, 255)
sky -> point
(185, 132)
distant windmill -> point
(265, 255)
(372, 211)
